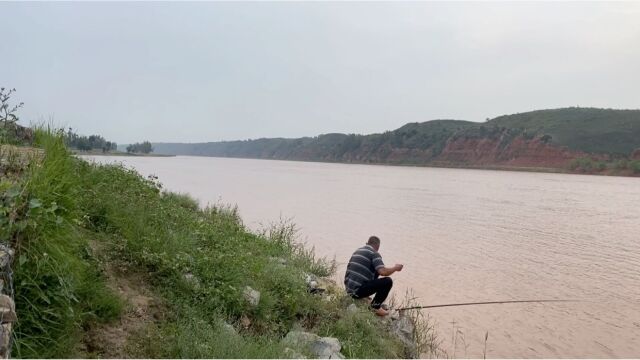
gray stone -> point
(326, 348)
(352, 309)
(5, 340)
(6, 254)
(313, 284)
(403, 329)
(292, 354)
(7, 317)
(192, 279)
(252, 296)
(245, 321)
(229, 328)
(320, 347)
(299, 339)
(308, 278)
(7, 310)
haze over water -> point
(464, 236)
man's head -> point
(374, 241)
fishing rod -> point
(481, 303)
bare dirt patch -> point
(142, 308)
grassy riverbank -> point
(109, 264)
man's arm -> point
(387, 271)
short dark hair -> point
(374, 241)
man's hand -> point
(387, 271)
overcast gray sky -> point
(221, 71)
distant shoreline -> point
(570, 140)
(119, 153)
(547, 170)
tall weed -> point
(57, 286)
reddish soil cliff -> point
(518, 152)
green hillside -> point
(604, 132)
(585, 129)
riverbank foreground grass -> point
(72, 222)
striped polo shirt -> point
(363, 266)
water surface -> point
(463, 235)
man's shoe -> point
(381, 312)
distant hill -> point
(590, 130)
(543, 138)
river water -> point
(463, 236)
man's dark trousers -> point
(380, 287)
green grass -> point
(200, 335)
(361, 336)
(58, 290)
(198, 261)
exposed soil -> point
(517, 152)
(142, 308)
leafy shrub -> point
(621, 164)
(183, 200)
(584, 164)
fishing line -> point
(481, 303)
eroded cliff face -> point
(478, 151)
(492, 148)
(517, 152)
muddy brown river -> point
(463, 236)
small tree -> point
(83, 144)
(574, 164)
(621, 164)
(7, 112)
(144, 147)
(586, 164)
(8, 118)
(109, 146)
